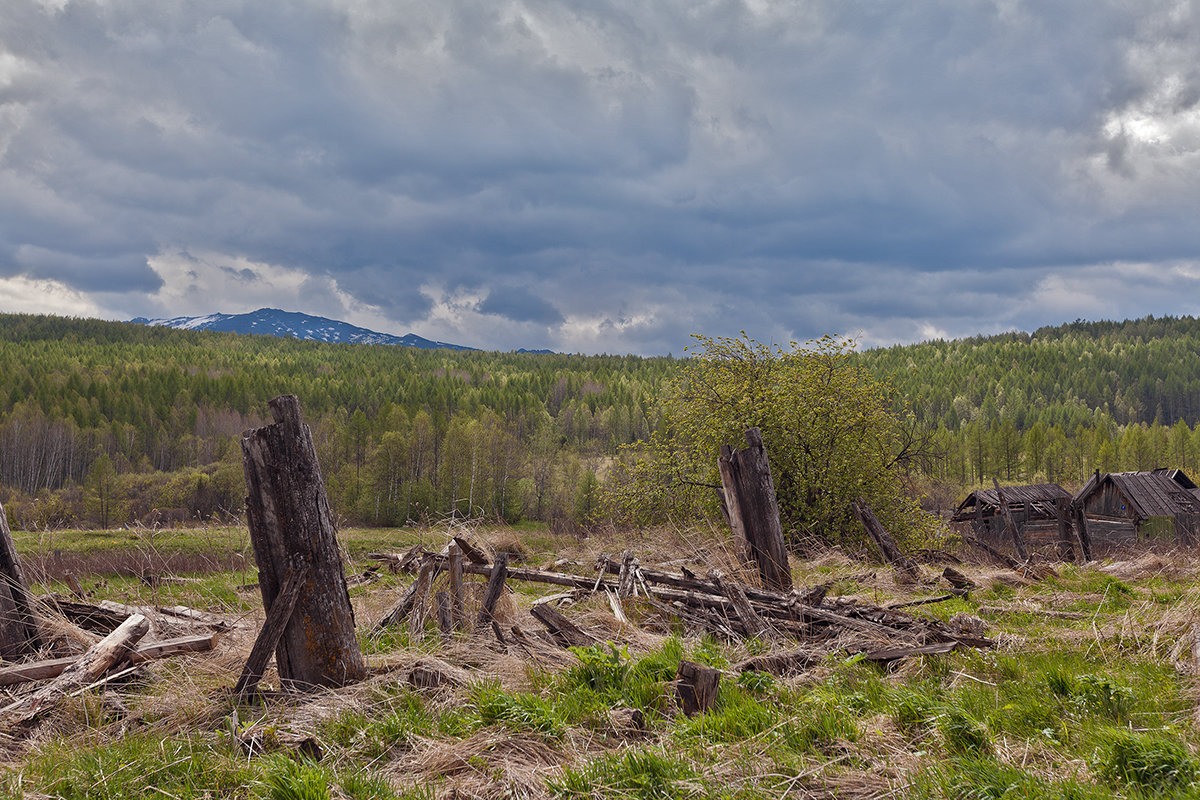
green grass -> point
(1078, 709)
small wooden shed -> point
(1121, 508)
(1034, 509)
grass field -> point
(1089, 694)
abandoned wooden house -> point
(1034, 509)
(1120, 508)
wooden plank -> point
(495, 585)
(269, 637)
(627, 575)
(97, 660)
(1013, 531)
(420, 607)
(52, 668)
(896, 653)
(473, 553)
(458, 612)
(906, 570)
(563, 630)
(754, 625)
(445, 617)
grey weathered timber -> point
(565, 632)
(458, 613)
(288, 515)
(495, 586)
(906, 570)
(18, 623)
(445, 618)
(1081, 529)
(750, 500)
(696, 686)
(420, 609)
(957, 579)
(52, 668)
(754, 625)
(1066, 537)
(473, 553)
(267, 641)
(1018, 538)
(627, 576)
(99, 659)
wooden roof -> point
(1040, 497)
(1157, 493)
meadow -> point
(1089, 693)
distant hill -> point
(1076, 374)
(274, 322)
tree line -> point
(105, 423)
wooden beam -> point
(906, 570)
(278, 617)
(1018, 538)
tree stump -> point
(18, 623)
(289, 519)
(696, 687)
(753, 511)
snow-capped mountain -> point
(273, 322)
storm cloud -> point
(608, 176)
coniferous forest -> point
(106, 424)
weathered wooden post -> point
(906, 570)
(1015, 532)
(18, 623)
(290, 522)
(1066, 539)
(1081, 529)
(753, 510)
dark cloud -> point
(520, 305)
(611, 175)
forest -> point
(108, 424)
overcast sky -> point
(604, 176)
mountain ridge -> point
(296, 325)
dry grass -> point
(1158, 621)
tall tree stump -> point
(18, 623)
(753, 511)
(289, 519)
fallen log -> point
(781, 664)
(472, 553)
(99, 659)
(561, 629)
(957, 579)
(755, 626)
(896, 653)
(52, 668)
